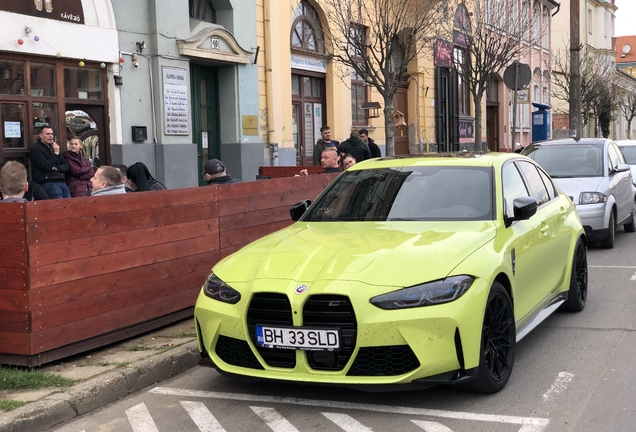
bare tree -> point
(598, 83)
(501, 32)
(377, 39)
(627, 105)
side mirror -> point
(622, 168)
(298, 210)
(524, 208)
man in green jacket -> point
(323, 143)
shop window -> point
(13, 120)
(42, 79)
(12, 77)
(44, 114)
(306, 32)
(295, 85)
(82, 83)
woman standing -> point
(80, 170)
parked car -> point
(628, 147)
(405, 270)
(593, 173)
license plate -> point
(308, 339)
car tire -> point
(577, 294)
(631, 226)
(498, 343)
(608, 243)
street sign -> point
(523, 79)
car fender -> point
(609, 204)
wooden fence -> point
(76, 274)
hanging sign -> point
(61, 10)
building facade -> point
(596, 23)
(169, 84)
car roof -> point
(449, 159)
(626, 143)
(571, 141)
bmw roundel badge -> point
(300, 289)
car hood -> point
(574, 186)
(376, 253)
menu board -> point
(175, 101)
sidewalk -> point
(103, 376)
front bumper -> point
(423, 346)
(593, 218)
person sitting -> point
(140, 180)
(214, 172)
(13, 182)
(124, 175)
(48, 166)
(347, 161)
(80, 173)
(35, 192)
(328, 162)
(107, 181)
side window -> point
(549, 184)
(616, 154)
(513, 187)
(535, 184)
(614, 160)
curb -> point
(99, 391)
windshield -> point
(630, 154)
(435, 193)
(570, 160)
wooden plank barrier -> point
(79, 273)
(287, 171)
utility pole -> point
(575, 69)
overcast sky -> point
(625, 16)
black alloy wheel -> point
(577, 295)
(498, 344)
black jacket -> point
(356, 148)
(46, 166)
(373, 147)
(223, 180)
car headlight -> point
(218, 290)
(592, 198)
(431, 293)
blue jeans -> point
(56, 190)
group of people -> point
(359, 145)
(334, 156)
(69, 174)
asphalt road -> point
(576, 372)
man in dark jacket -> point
(355, 147)
(48, 165)
(373, 147)
(214, 173)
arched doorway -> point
(309, 70)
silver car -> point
(593, 172)
(628, 147)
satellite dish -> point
(627, 48)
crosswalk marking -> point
(346, 422)
(274, 420)
(140, 419)
(429, 426)
(202, 417)
(529, 424)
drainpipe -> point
(425, 93)
(269, 87)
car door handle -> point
(545, 229)
(564, 212)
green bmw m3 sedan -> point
(405, 271)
